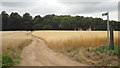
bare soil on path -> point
(38, 54)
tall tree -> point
(100, 24)
(15, 21)
(79, 20)
(38, 22)
(27, 21)
(5, 20)
(48, 19)
(56, 22)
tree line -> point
(54, 22)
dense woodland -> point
(54, 22)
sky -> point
(87, 8)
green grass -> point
(8, 60)
(105, 49)
(0, 60)
(11, 56)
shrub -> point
(7, 60)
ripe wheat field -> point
(64, 40)
(14, 41)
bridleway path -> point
(38, 54)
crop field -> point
(13, 39)
(64, 40)
(13, 43)
(75, 44)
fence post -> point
(111, 45)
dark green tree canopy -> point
(38, 22)
(16, 22)
(27, 21)
(5, 20)
(15, 19)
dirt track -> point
(38, 54)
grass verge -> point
(11, 56)
(100, 56)
(12, 46)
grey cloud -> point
(101, 7)
(91, 7)
(72, 7)
(17, 4)
(62, 0)
(119, 11)
(88, 0)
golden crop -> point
(14, 41)
(62, 40)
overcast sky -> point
(87, 8)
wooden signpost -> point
(111, 45)
(110, 33)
